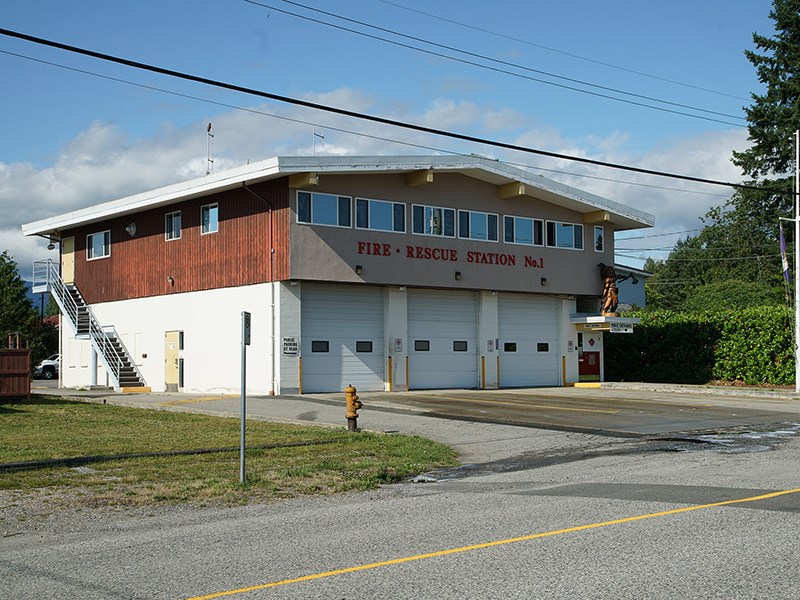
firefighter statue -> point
(610, 293)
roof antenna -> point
(210, 161)
(317, 135)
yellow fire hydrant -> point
(353, 405)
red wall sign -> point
(438, 253)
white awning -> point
(602, 323)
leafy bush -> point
(733, 294)
(753, 345)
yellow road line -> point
(524, 538)
(194, 400)
(525, 405)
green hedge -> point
(753, 345)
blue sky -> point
(72, 139)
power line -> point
(557, 51)
(348, 131)
(723, 258)
(709, 249)
(641, 237)
(373, 118)
(498, 61)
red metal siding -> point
(142, 265)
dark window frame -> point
(173, 227)
(317, 345)
(510, 230)
(420, 225)
(205, 223)
(465, 226)
(306, 213)
(364, 212)
(106, 245)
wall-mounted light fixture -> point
(458, 275)
(51, 245)
(494, 293)
(359, 269)
(131, 229)
(544, 281)
(402, 288)
(292, 282)
(170, 280)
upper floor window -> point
(432, 220)
(380, 215)
(522, 230)
(598, 239)
(98, 245)
(172, 225)
(209, 218)
(323, 209)
(564, 235)
(476, 225)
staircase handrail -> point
(97, 333)
(47, 270)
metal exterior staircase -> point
(115, 358)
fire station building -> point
(385, 272)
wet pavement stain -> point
(729, 441)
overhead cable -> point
(349, 131)
(498, 61)
(562, 52)
(372, 118)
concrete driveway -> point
(620, 410)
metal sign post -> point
(245, 344)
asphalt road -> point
(537, 513)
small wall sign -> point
(290, 346)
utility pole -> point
(796, 259)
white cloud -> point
(105, 163)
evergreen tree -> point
(774, 115)
(740, 239)
(19, 316)
(16, 309)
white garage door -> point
(443, 332)
(341, 335)
(528, 328)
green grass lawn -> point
(51, 428)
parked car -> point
(48, 368)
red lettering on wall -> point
(492, 258)
(534, 263)
(373, 249)
(425, 253)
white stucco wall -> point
(211, 322)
